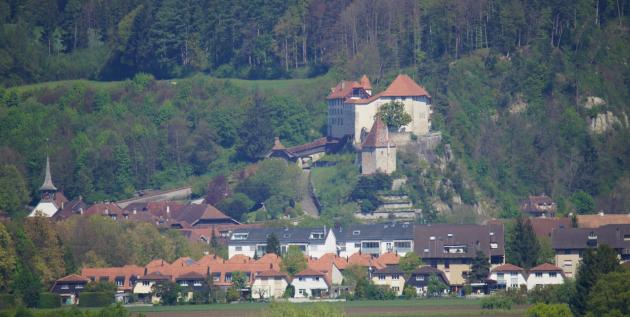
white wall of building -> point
(269, 287)
(45, 208)
(543, 278)
(510, 279)
(305, 285)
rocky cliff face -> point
(607, 121)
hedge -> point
(95, 299)
(7, 301)
(49, 300)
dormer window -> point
(432, 238)
(450, 235)
(592, 236)
(239, 236)
(356, 232)
(317, 235)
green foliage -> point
(333, 185)
(523, 248)
(289, 292)
(479, 269)
(409, 263)
(595, 263)
(167, 291)
(365, 289)
(233, 294)
(367, 188)
(583, 202)
(96, 299)
(610, 295)
(293, 261)
(353, 274)
(496, 302)
(273, 244)
(553, 294)
(549, 310)
(239, 280)
(394, 115)
(435, 287)
(13, 191)
(101, 287)
(278, 309)
(49, 300)
(7, 258)
(7, 301)
(409, 292)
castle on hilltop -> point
(352, 107)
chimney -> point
(168, 209)
(135, 211)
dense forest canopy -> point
(532, 95)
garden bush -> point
(95, 299)
(7, 301)
(49, 300)
(496, 302)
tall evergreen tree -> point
(256, 132)
(595, 263)
(273, 244)
(479, 269)
(523, 246)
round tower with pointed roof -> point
(378, 152)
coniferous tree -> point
(595, 263)
(273, 244)
(479, 269)
(523, 246)
(256, 132)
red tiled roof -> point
(239, 258)
(191, 276)
(378, 136)
(343, 89)
(310, 272)
(112, 272)
(333, 258)
(389, 258)
(308, 146)
(73, 278)
(404, 86)
(544, 226)
(596, 221)
(102, 209)
(271, 273)
(507, 268)
(365, 82)
(546, 267)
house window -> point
(145, 283)
(553, 274)
(228, 277)
(403, 244)
(381, 277)
(356, 232)
(395, 276)
(197, 283)
(371, 245)
(183, 283)
(538, 274)
(317, 235)
(78, 286)
(301, 279)
(419, 278)
(395, 288)
(216, 277)
(302, 291)
(238, 249)
(357, 245)
(514, 274)
(120, 282)
(568, 263)
(65, 286)
(499, 275)
(317, 278)
(447, 265)
(239, 236)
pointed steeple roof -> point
(48, 184)
(277, 145)
(378, 136)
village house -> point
(190, 283)
(391, 276)
(304, 155)
(310, 283)
(352, 107)
(144, 288)
(252, 242)
(539, 206)
(570, 244)
(543, 275)
(508, 276)
(124, 277)
(269, 284)
(602, 219)
(69, 288)
(451, 248)
(375, 239)
(419, 279)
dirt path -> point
(307, 202)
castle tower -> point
(378, 153)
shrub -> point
(517, 296)
(96, 299)
(496, 302)
(7, 301)
(49, 300)
(409, 292)
(549, 310)
(232, 294)
(277, 309)
(289, 292)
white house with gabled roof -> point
(252, 242)
(543, 275)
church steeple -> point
(48, 184)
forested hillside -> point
(533, 96)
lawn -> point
(397, 308)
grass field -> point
(397, 308)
